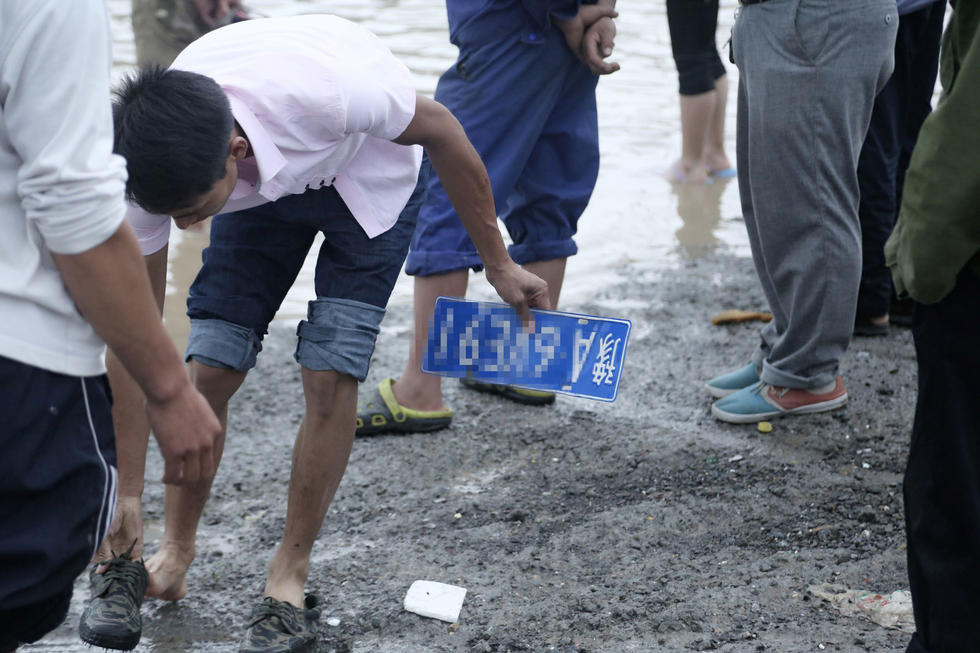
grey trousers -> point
(808, 74)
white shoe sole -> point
(719, 393)
(740, 418)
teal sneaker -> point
(763, 401)
(726, 384)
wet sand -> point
(642, 525)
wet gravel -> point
(642, 525)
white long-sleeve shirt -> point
(61, 188)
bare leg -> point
(714, 143)
(128, 416)
(553, 272)
(415, 389)
(320, 456)
(184, 504)
(129, 419)
(696, 114)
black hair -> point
(173, 128)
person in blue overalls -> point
(523, 88)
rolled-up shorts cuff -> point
(525, 253)
(700, 74)
(339, 335)
(219, 343)
(427, 264)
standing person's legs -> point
(57, 492)
(942, 486)
(900, 108)
(745, 140)
(715, 157)
(532, 77)
(798, 146)
(802, 162)
(556, 183)
(924, 34)
(415, 389)
(878, 208)
(692, 25)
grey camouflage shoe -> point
(112, 617)
(280, 627)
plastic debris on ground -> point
(437, 600)
(889, 610)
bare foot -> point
(717, 162)
(168, 571)
(688, 174)
(418, 396)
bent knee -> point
(328, 392)
(217, 384)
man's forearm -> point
(465, 180)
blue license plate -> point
(580, 355)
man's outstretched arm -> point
(465, 179)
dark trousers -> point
(942, 479)
(693, 25)
(899, 110)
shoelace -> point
(123, 570)
(271, 608)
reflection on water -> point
(699, 208)
(633, 218)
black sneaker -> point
(112, 617)
(280, 627)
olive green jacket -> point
(938, 229)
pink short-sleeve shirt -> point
(320, 100)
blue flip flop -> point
(724, 173)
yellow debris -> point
(764, 427)
(736, 315)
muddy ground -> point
(642, 525)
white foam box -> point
(437, 600)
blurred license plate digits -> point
(579, 355)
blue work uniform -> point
(528, 106)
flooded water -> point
(636, 217)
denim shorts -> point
(540, 148)
(57, 488)
(253, 259)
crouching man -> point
(283, 128)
